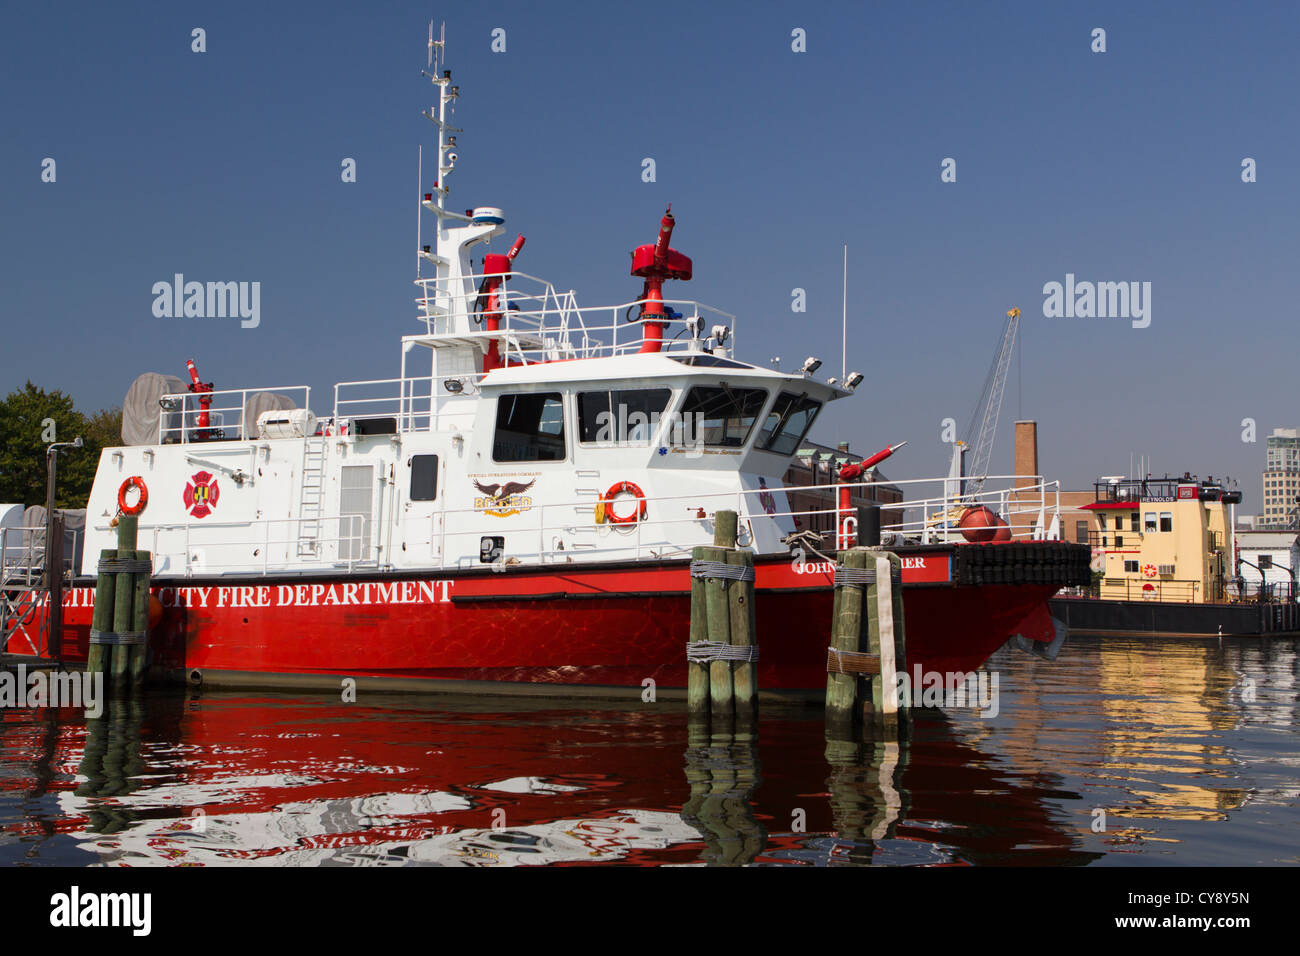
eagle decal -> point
(503, 499)
(501, 493)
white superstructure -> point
(521, 429)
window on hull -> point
(530, 427)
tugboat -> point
(1170, 565)
(515, 512)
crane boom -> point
(982, 445)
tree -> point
(31, 418)
(104, 430)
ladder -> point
(21, 609)
(311, 497)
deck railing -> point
(565, 531)
(540, 324)
(263, 546)
(178, 415)
(22, 554)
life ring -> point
(605, 506)
(138, 483)
(1150, 570)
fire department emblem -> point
(201, 494)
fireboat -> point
(515, 512)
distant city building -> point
(1281, 480)
(1269, 560)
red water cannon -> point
(204, 391)
(849, 473)
(655, 264)
(496, 270)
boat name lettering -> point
(309, 595)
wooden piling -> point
(137, 657)
(868, 647)
(718, 614)
(697, 672)
(123, 601)
(98, 655)
(841, 689)
(725, 525)
(740, 599)
(900, 646)
(722, 618)
(884, 625)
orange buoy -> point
(980, 525)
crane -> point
(990, 401)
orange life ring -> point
(138, 483)
(1150, 571)
(605, 507)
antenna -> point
(419, 191)
(844, 319)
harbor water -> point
(1119, 753)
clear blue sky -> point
(1115, 167)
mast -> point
(448, 296)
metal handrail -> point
(556, 522)
(186, 405)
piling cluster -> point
(868, 648)
(722, 656)
(120, 626)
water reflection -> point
(722, 770)
(1187, 748)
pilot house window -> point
(530, 427)
(625, 416)
(720, 414)
(787, 423)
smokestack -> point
(1026, 463)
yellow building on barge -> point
(1169, 562)
(1165, 539)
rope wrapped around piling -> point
(851, 662)
(125, 565)
(117, 638)
(845, 576)
(720, 569)
(701, 652)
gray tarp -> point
(140, 408)
(74, 532)
(260, 402)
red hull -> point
(601, 626)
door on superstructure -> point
(356, 525)
(422, 537)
